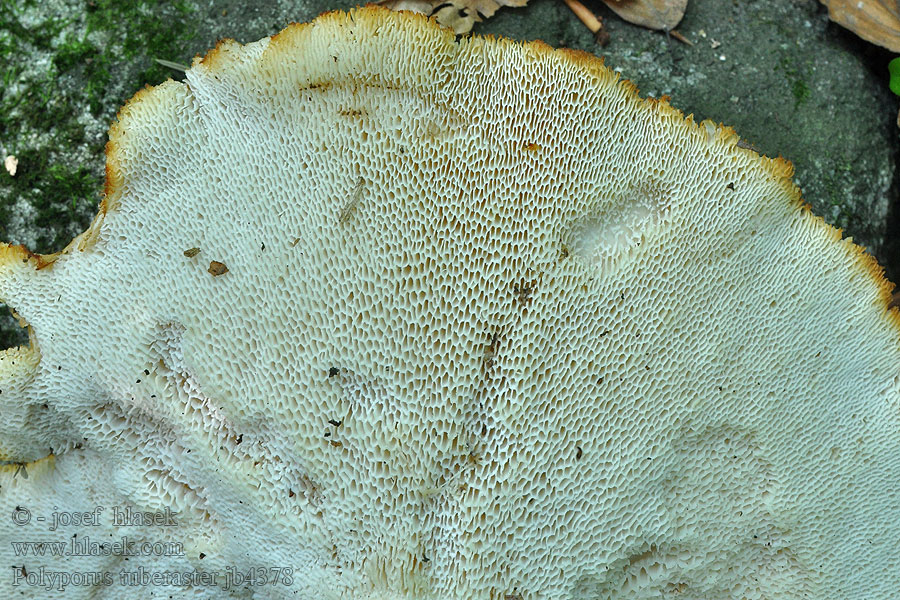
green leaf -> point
(894, 70)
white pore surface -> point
(492, 327)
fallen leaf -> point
(653, 14)
(876, 21)
(458, 15)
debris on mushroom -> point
(217, 268)
(580, 346)
(876, 21)
(352, 201)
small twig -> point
(171, 65)
(678, 36)
(350, 206)
(590, 20)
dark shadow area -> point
(11, 334)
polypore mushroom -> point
(492, 327)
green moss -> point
(63, 78)
(795, 79)
(39, 35)
(42, 99)
(73, 53)
(154, 31)
(800, 91)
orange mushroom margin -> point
(723, 138)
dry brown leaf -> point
(876, 21)
(653, 14)
(458, 15)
